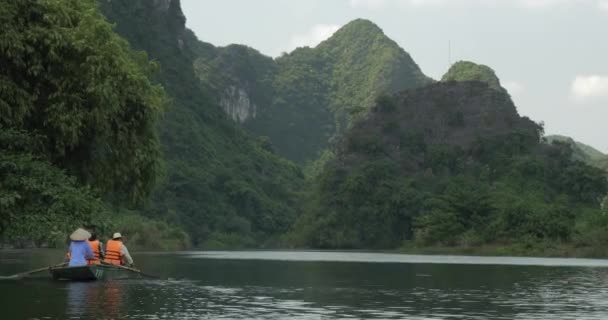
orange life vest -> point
(113, 253)
(96, 254)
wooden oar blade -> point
(18, 276)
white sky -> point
(552, 55)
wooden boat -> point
(94, 272)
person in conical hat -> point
(79, 251)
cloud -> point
(526, 4)
(312, 37)
(421, 3)
(382, 4)
(369, 4)
(589, 87)
(542, 3)
(514, 88)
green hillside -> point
(470, 71)
(223, 186)
(450, 164)
(303, 99)
(583, 152)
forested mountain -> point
(90, 126)
(304, 98)
(449, 164)
(221, 185)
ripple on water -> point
(532, 300)
(258, 289)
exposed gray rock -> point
(236, 103)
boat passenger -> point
(79, 251)
(97, 247)
(117, 252)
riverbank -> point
(540, 249)
(515, 250)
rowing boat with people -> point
(94, 272)
(84, 261)
(91, 272)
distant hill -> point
(451, 163)
(303, 99)
(470, 71)
(583, 151)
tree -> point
(69, 80)
(77, 118)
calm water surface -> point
(315, 285)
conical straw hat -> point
(80, 235)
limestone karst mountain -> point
(304, 98)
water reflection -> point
(113, 295)
(100, 300)
(575, 296)
(78, 298)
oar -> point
(131, 269)
(27, 273)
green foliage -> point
(70, 81)
(77, 120)
(368, 206)
(469, 71)
(38, 201)
(145, 233)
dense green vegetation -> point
(221, 186)
(322, 88)
(149, 234)
(451, 164)
(78, 117)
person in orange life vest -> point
(117, 252)
(97, 247)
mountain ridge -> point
(448, 164)
(324, 87)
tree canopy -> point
(77, 115)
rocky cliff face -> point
(221, 183)
(236, 103)
(450, 115)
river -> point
(315, 285)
